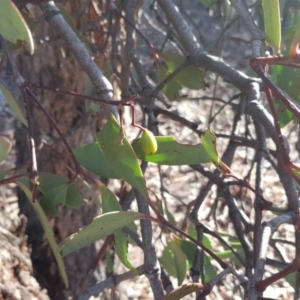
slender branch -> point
(267, 231)
(110, 282)
(257, 35)
(56, 20)
(152, 268)
(260, 157)
(197, 56)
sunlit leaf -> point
(190, 77)
(13, 104)
(119, 154)
(23, 184)
(272, 24)
(101, 227)
(286, 79)
(172, 88)
(12, 25)
(208, 140)
(5, 146)
(170, 152)
(91, 158)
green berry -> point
(148, 142)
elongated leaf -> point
(91, 157)
(119, 154)
(208, 140)
(12, 25)
(23, 184)
(5, 146)
(101, 227)
(13, 104)
(174, 261)
(272, 24)
(209, 270)
(109, 263)
(121, 248)
(110, 203)
(170, 152)
(189, 248)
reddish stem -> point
(262, 285)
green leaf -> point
(208, 3)
(56, 192)
(91, 158)
(23, 184)
(119, 154)
(121, 248)
(49, 181)
(209, 270)
(190, 77)
(109, 263)
(172, 88)
(5, 146)
(52, 198)
(101, 227)
(291, 279)
(111, 203)
(286, 79)
(272, 24)
(12, 25)
(208, 140)
(189, 248)
(172, 153)
(3, 174)
(13, 103)
(73, 198)
(174, 261)
(109, 200)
